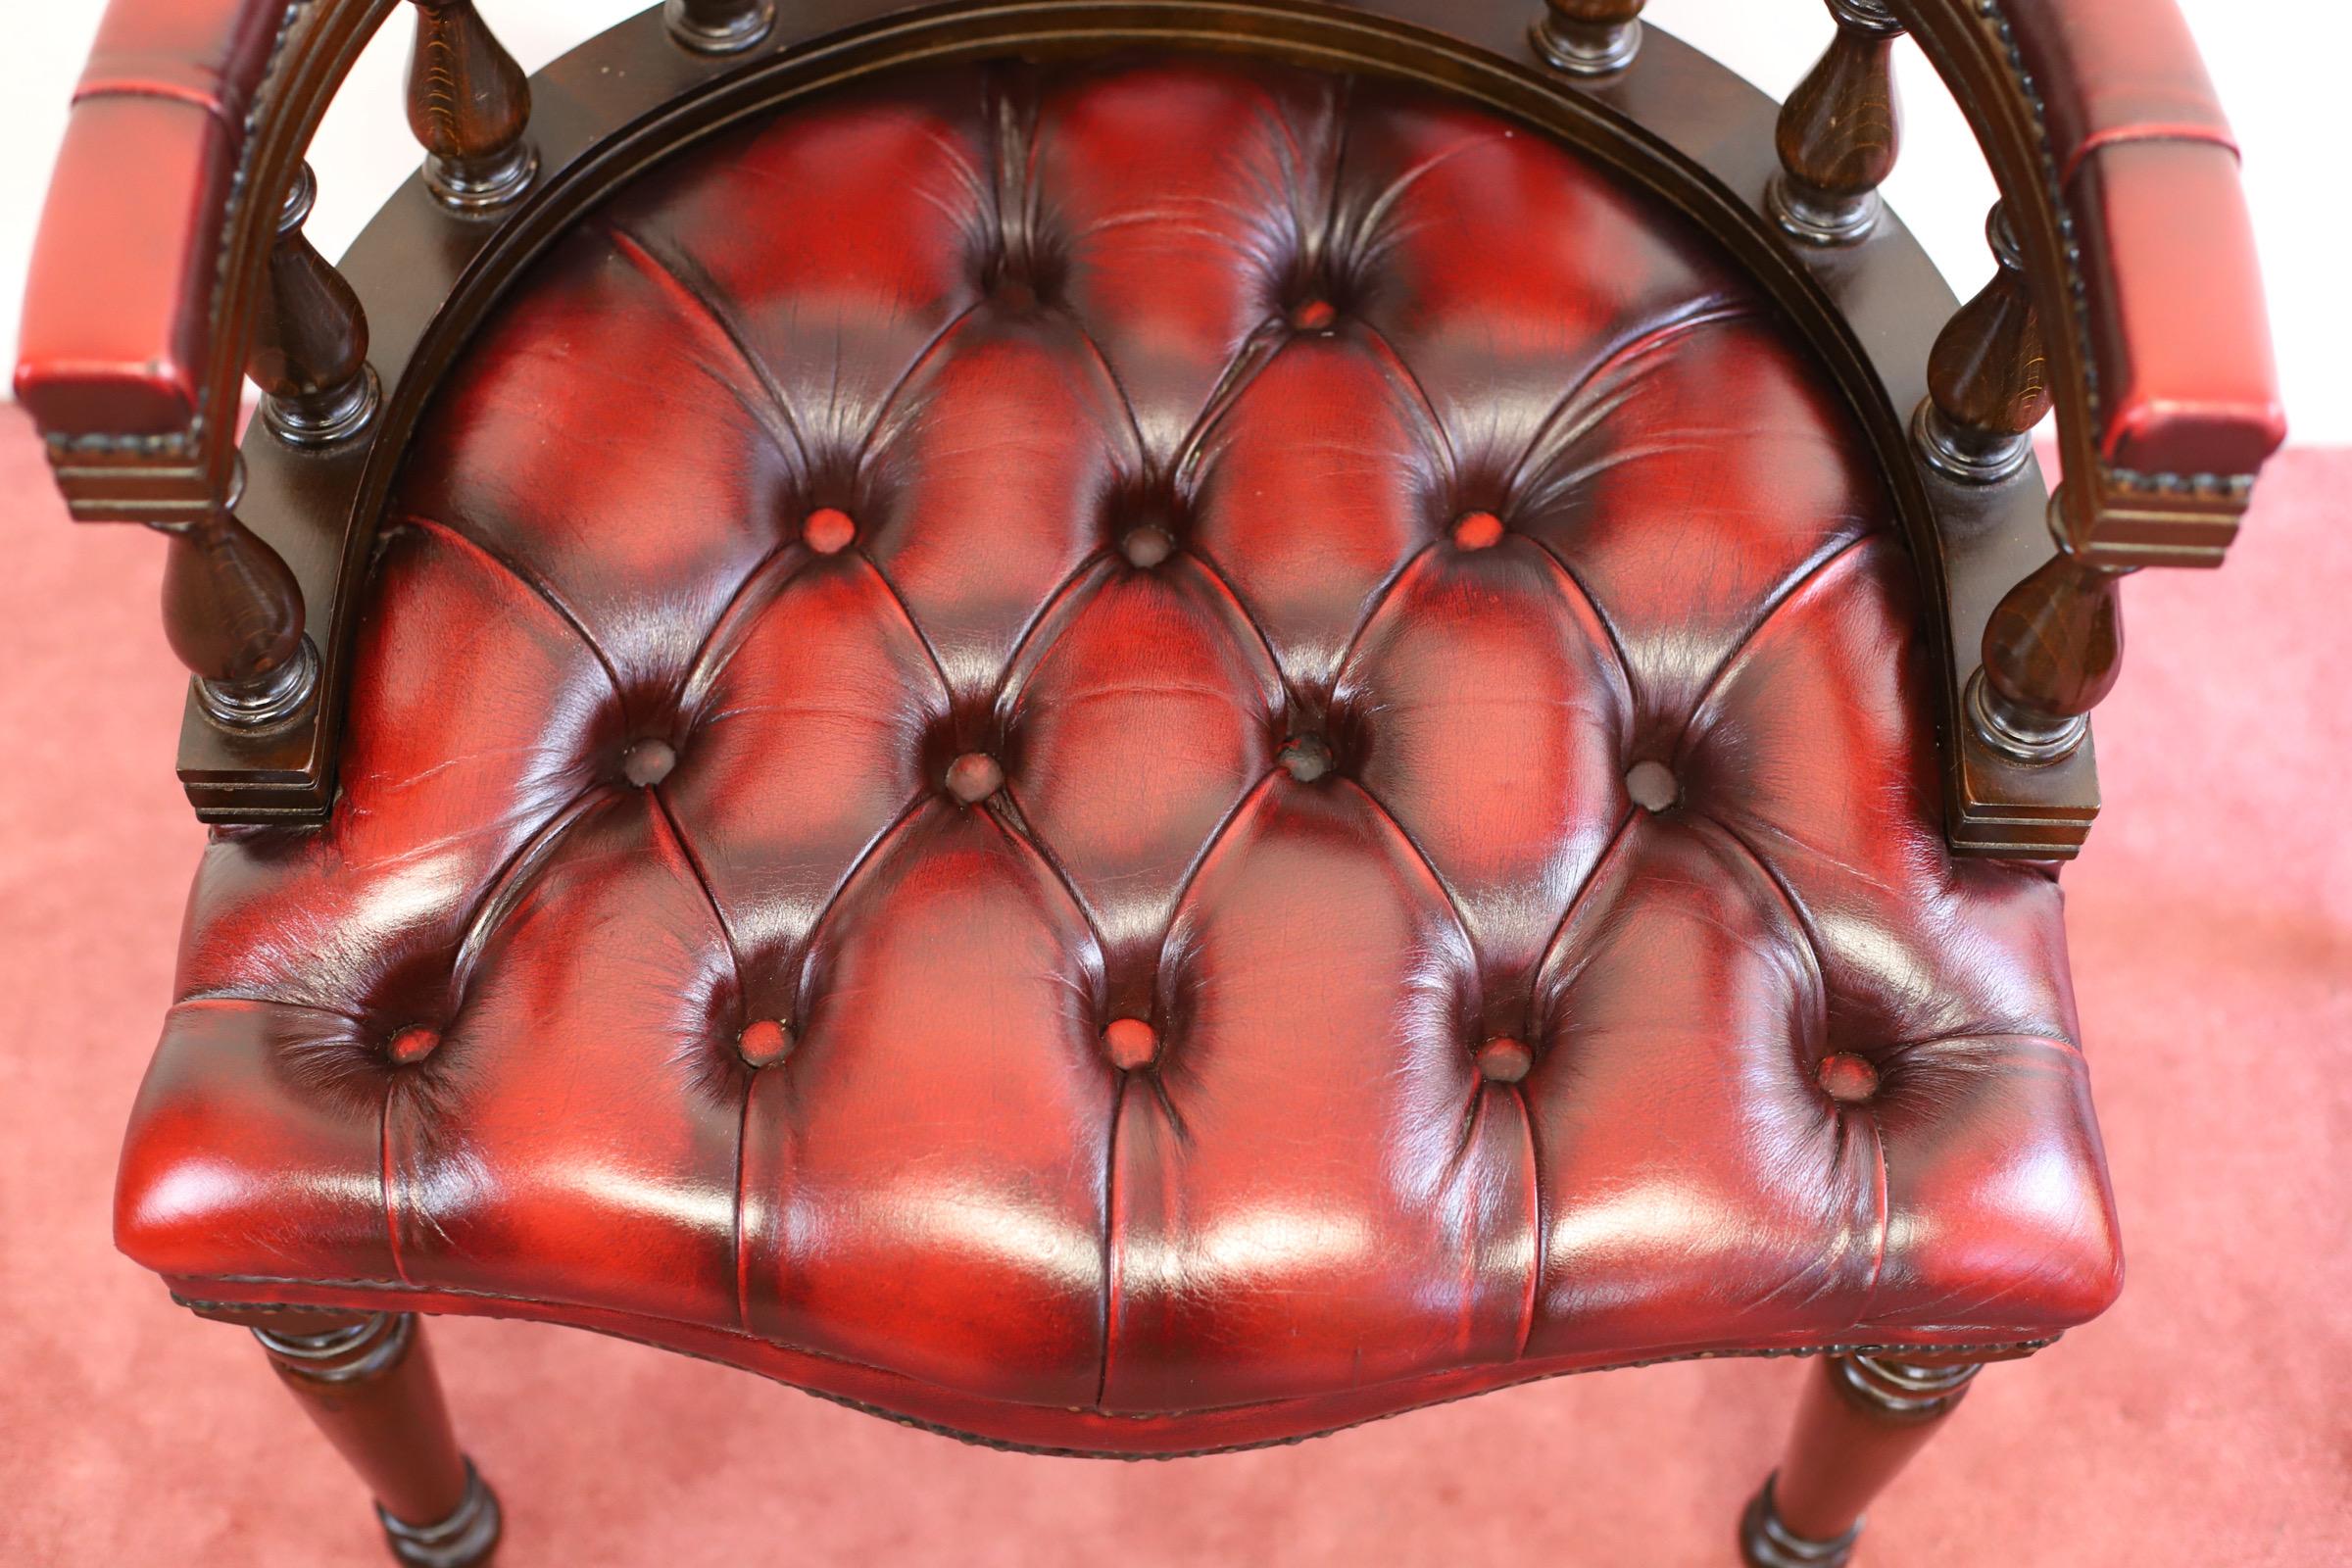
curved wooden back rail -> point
(171, 265)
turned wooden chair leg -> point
(1862, 1419)
(367, 1381)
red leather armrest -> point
(118, 308)
(2147, 168)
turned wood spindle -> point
(720, 27)
(366, 1381)
(469, 104)
(1861, 1420)
(1838, 132)
(1987, 380)
(2053, 647)
(232, 611)
(1589, 37)
(310, 348)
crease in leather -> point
(1565, 422)
(1398, 368)
(1805, 577)
(1015, 825)
(669, 273)
(898, 602)
(1576, 902)
(724, 640)
(1802, 920)
(1058, 611)
(1429, 868)
(539, 587)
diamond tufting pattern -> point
(1135, 757)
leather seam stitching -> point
(2187, 134)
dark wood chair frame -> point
(270, 545)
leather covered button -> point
(1476, 530)
(1306, 757)
(763, 1041)
(1652, 785)
(648, 763)
(829, 530)
(1148, 546)
(1320, 757)
(1131, 1044)
(1505, 1060)
(1849, 1079)
(414, 1043)
(974, 776)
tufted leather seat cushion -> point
(1136, 756)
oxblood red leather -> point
(2148, 168)
(989, 770)
(118, 315)
(125, 270)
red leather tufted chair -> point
(1139, 728)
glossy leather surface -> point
(126, 271)
(1134, 758)
(2147, 168)
(126, 268)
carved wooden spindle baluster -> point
(1988, 383)
(1589, 37)
(720, 27)
(469, 104)
(1862, 1418)
(2052, 650)
(309, 349)
(232, 611)
(1839, 130)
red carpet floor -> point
(2206, 1420)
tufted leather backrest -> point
(1032, 665)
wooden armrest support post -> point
(469, 104)
(1839, 131)
(171, 264)
(1589, 37)
(720, 27)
